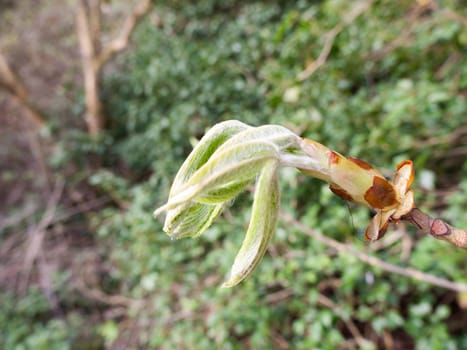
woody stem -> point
(437, 228)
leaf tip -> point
(231, 281)
(159, 211)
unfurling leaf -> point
(232, 155)
(262, 225)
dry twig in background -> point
(322, 299)
(100, 296)
(374, 261)
(11, 82)
(330, 36)
(353, 329)
(37, 233)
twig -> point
(63, 216)
(121, 42)
(179, 316)
(437, 228)
(322, 299)
(412, 22)
(37, 234)
(374, 261)
(349, 344)
(13, 220)
(9, 243)
(94, 55)
(406, 247)
(455, 16)
(98, 295)
(388, 340)
(353, 329)
(388, 240)
(39, 155)
(46, 284)
(449, 138)
(82, 208)
(450, 62)
(279, 341)
(10, 81)
(402, 39)
(279, 296)
(400, 235)
(330, 283)
(330, 36)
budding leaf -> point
(192, 219)
(232, 155)
(262, 225)
(205, 148)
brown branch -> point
(330, 36)
(121, 42)
(374, 261)
(94, 56)
(85, 33)
(10, 81)
(437, 228)
(94, 116)
(95, 23)
(100, 296)
(279, 296)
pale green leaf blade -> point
(226, 173)
(279, 136)
(262, 225)
(191, 220)
(205, 148)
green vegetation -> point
(392, 88)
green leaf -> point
(191, 220)
(205, 148)
(262, 225)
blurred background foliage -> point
(393, 87)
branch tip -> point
(437, 228)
